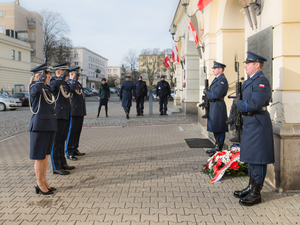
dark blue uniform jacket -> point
(78, 107)
(257, 146)
(140, 89)
(45, 119)
(163, 89)
(127, 87)
(63, 105)
(217, 109)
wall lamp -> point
(199, 48)
(256, 7)
(173, 30)
(185, 3)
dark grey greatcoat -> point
(257, 146)
(127, 87)
(217, 110)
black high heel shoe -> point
(38, 190)
(52, 189)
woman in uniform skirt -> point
(42, 128)
(104, 96)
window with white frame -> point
(1, 12)
(157, 76)
(13, 54)
(19, 56)
(144, 70)
(144, 77)
(2, 29)
(75, 63)
(75, 55)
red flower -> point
(234, 165)
(221, 153)
(216, 169)
(206, 167)
(219, 163)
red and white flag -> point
(203, 3)
(193, 36)
(167, 61)
(175, 53)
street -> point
(135, 172)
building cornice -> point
(14, 42)
(90, 51)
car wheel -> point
(2, 107)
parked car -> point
(9, 103)
(172, 96)
(5, 93)
(113, 90)
(154, 96)
(23, 97)
(89, 92)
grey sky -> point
(112, 27)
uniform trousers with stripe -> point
(74, 134)
(257, 172)
(58, 148)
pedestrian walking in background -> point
(104, 96)
(43, 126)
(140, 95)
(163, 91)
(257, 145)
(78, 111)
(217, 114)
(126, 91)
(61, 93)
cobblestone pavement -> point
(132, 174)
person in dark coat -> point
(78, 111)
(43, 126)
(163, 91)
(126, 90)
(61, 93)
(217, 114)
(140, 95)
(257, 145)
(104, 96)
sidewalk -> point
(135, 172)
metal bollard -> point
(150, 101)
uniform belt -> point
(126, 91)
(214, 100)
(252, 113)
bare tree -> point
(150, 61)
(63, 51)
(55, 29)
(131, 63)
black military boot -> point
(254, 197)
(245, 191)
(216, 148)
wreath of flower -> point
(226, 161)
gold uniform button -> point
(54, 114)
(61, 107)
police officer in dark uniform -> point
(78, 111)
(140, 95)
(126, 89)
(257, 146)
(163, 91)
(217, 107)
(43, 126)
(61, 92)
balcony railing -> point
(31, 24)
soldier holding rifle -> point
(217, 108)
(257, 146)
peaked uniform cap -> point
(252, 57)
(162, 76)
(39, 68)
(74, 69)
(218, 65)
(62, 66)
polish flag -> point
(193, 36)
(203, 3)
(175, 53)
(167, 61)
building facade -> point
(117, 74)
(225, 30)
(152, 67)
(27, 26)
(15, 64)
(93, 65)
